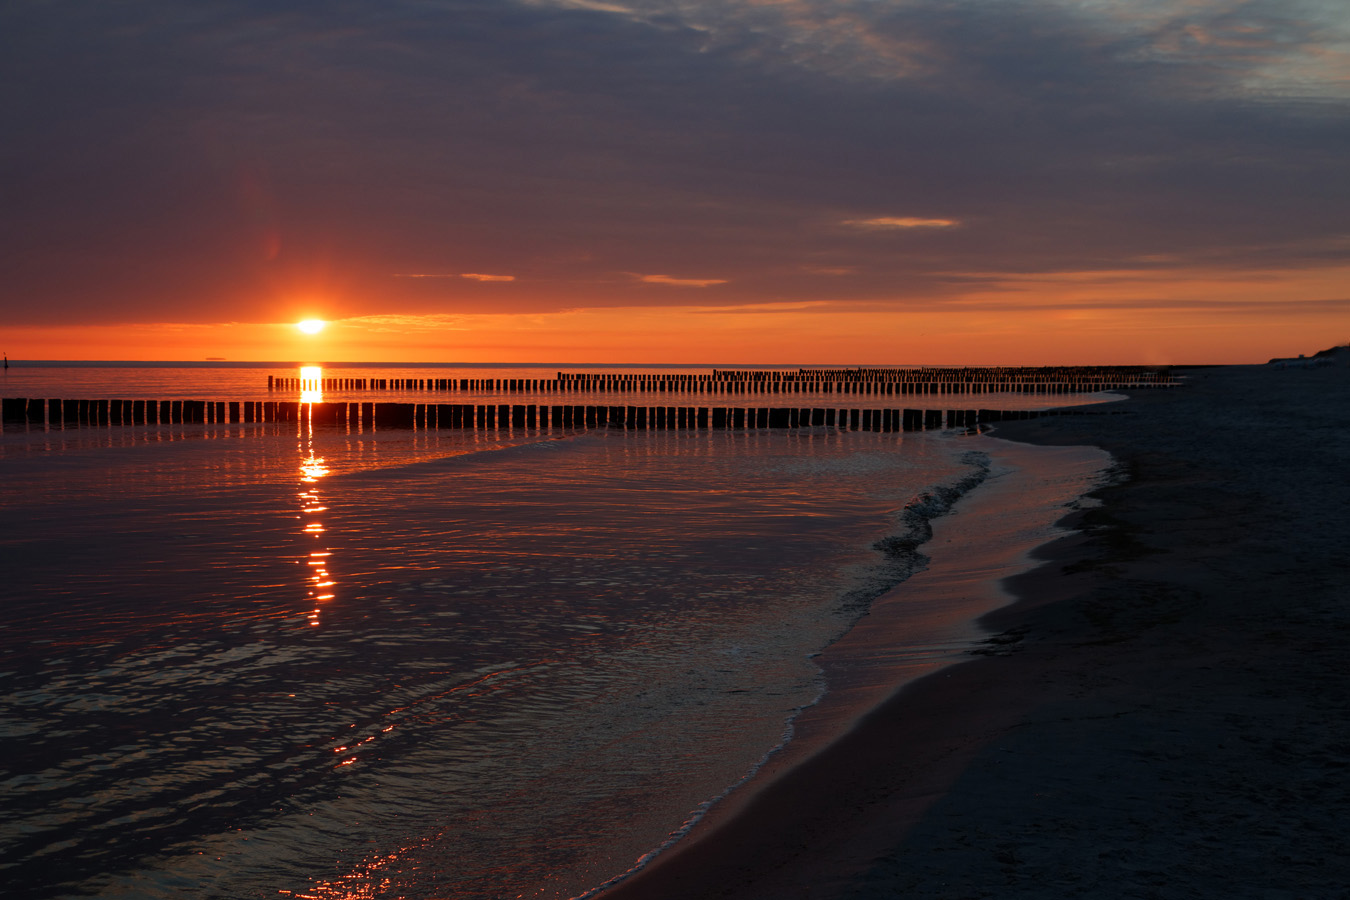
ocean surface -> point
(272, 660)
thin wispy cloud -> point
(899, 223)
(397, 323)
(589, 6)
(680, 282)
(472, 276)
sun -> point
(311, 326)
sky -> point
(998, 182)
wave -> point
(901, 560)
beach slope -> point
(1166, 714)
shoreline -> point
(1172, 722)
(929, 623)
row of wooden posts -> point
(366, 416)
(879, 382)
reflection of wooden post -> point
(395, 415)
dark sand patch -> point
(1175, 721)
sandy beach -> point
(1166, 710)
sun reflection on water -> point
(312, 469)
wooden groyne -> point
(368, 416)
(875, 381)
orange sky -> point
(1067, 318)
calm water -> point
(269, 660)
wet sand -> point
(1166, 712)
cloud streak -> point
(899, 223)
(680, 282)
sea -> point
(279, 659)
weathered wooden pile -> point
(491, 417)
(874, 381)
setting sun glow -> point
(311, 326)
